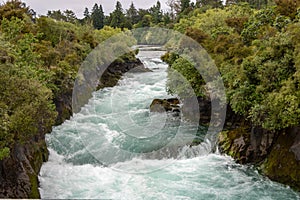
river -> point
(116, 149)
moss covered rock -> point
(236, 144)
(283, 162)
(276, 154)
(19, 172)
(165, 105)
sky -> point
(42, 6)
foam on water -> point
(206, 177)
(104, 151)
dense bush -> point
(39, 60)
(257, 52)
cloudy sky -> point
(42, 6)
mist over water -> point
(116, 149)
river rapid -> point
(114, 148)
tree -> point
(156, 13)
(287, 7)
(117, 16)
(184, 4)
(87, 16)
(57, 15)
(67, 16)
(15, 8)
(254, 3)
(175, 8)
(70, 16)
(146, 21)
(86, 13)
(167, 18)
(98, 17)
(211, 3)
(132, 14)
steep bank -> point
(109, 78)
(275, 153)
(19, 172)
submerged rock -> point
(165, 105)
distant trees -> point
(97, 16)
(67, 16)
(156, 13)
(184, 4)
(132, 14)
(254, 3)
(211, 3)
(129, 18)
(118, 16)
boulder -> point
(165, 105)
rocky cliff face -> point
(19, 172)
(276, 154)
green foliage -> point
(183, 78)
(256, 24)
(97, 17)
(257, 52)
(118, 17)
(105, 33)
(39, 61)
(287, 7)
(156, 13)
(210, 3)
(6, 139)
(16, 9)
(213, 21)
(26, 110)
(132, 14)
(4, 153)
(67, 16)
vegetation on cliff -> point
(255, 45)
(39, 58)
(256, 49)
(257, 53)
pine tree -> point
(86, 14)
(98, 16)
(156, 13)
(70, 16)
(57, 15)
(132, 14)
(118, 17)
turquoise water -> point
(116, 149)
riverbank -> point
(19, 171)
(113, 149)
(275, 154)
